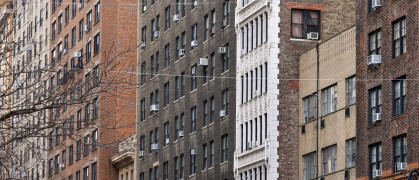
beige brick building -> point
(124, 159)
(330, 86)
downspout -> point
(317, 109)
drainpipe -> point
(318, 115)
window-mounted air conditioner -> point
(77, 54)
(249, 145)
(145, 8)
(80, 5)
(256, 143)
(62, 165)
(202, 62)
(374, 59)
(375, 3)
(225, 22)
(222, 50)
(167, 141)
(141, 153)
(65, 51)
(143, 45)
(313, 35)
(401, 166)
(154, 107)
(377, 173)
(194, 43)
(176, 17)
(86, 28)
(156, 34)
(154, 146)
(181, 133)
(181, 52)
(195, 3)
(222, 113)
(376, 117)
(193, 151)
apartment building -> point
(272, 36)
(93, 57)
(30, 54)
(327, 109)
(186, 98)
(387, 109)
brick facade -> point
(384, 75)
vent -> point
(303, 129)
(347, 174)
(322, 123)
(347, 112)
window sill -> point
(225, 72)
(374, 125)
(193, 175)
(193, 91)
(165, 107)
(303, 40)
(399, 57)
(223, 163)
(398, 116)
(192, 133)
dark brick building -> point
(387, 69)
(92, 45)
(185, 105)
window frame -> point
(304, 24)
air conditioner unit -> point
(176, 17)
(374, 59)
(143, 45)
(194, 43)
(202, 62)
(193, 151)
(225, 22)
(156, 34)
(249, 145)
(222, 113)
(212, 30)
(77, 54)
(181, 52)
(377, 173)
(154, 146)
(141, 153)
(401, 166)
(86, 28)
(181, 133)
(154, 107)
(376, 3)
(376, 117)
(65, 51)
(222, 50)
(256, 143)
(15, 120)
(167, 141)
(145, 8)
(62, 165)
(313, 35)
(195, 3)
(243, 52)
(80, 5)
(29, 48)
(256, 93)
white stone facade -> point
(257, 93)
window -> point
(205, 114)
(310, 108)
(97, 12)
(70, 154)
(183, 84)
(81, 29)
(143, 73)
(166, 133)
(350, 91)
(166, 55)
(50, 167)
(350, 152)
(375, 157)
(205, 156)
(176, 127)
(157, 62)
(193, 119)
(206, 27)
(166, 94)
(152, 30)
(81, 3)
(213, 20)
(182, 166)
(177, 86)
(399, 37)
(400, 150)
(60, 23)
(142, 176)
(95, 138)
(329, 159)
(74, 8)
(167, 18)
(166, 170)
(142, 143)
(225, 57)
(79, 119)
(144, 6)
(374, 42)
(95, 75)
(67, 14)
(57, 136)
(78, 175)
(96, 43)
(304, 22)
(374, 103)
(194, 35)
(63, 157)
(224, 148)
(142, 113)
(156, 172)
(225, 101)
(193, 78)
(370, 8)
(193, 163)
(329, 99)
(143, 34)
(94, 171)
(176, 168)
(212, 63)
(399, 96)
(309, 166)
(57, 163)
(226, 13)
(66, 44)
(88, 51)
(73, 36)
(86, 114)
(212, 106)
(86, 173)
(86, 145)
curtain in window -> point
(297, 23)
